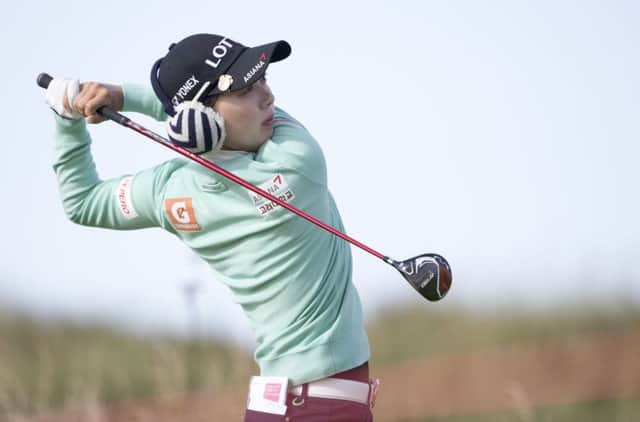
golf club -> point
(428, 273)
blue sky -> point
(502, 134)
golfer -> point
(292, 280)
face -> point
(248, 116)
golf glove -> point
(55, 96)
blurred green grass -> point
(625, 410)
(51, 365)
(420, 331)
(47, 365)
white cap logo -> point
(224, 82)
(219, 51)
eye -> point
(262, 80)
(246, 90)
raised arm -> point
(141, 99)
(125, 202)
(125, 97)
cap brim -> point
(252, 64)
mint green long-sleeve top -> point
(292, 279)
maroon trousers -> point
(312, 409)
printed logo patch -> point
(277, 187)
(123, 196)
(272, 391)
(253, 71)
(182, 214)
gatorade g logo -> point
(182, 214)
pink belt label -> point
(272, 391)
(268, 395)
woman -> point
(292, 280)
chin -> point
(269, 132)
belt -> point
(340, 389)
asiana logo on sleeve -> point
(123, 197)
(181, 214)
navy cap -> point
(204, 65)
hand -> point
(85, 98)
(94, 95)
(57, 93)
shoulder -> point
(156, 178)
(170, 168)
(290, 134)
(173, 165)
(284, 119)
(294, 146)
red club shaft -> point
(119, 118)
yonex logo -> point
(184, 90)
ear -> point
(196, 127)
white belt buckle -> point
(268, 395)
(338, 389)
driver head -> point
(429, 274)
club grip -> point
(113, 115)
(44, 79)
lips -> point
(268, 121)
